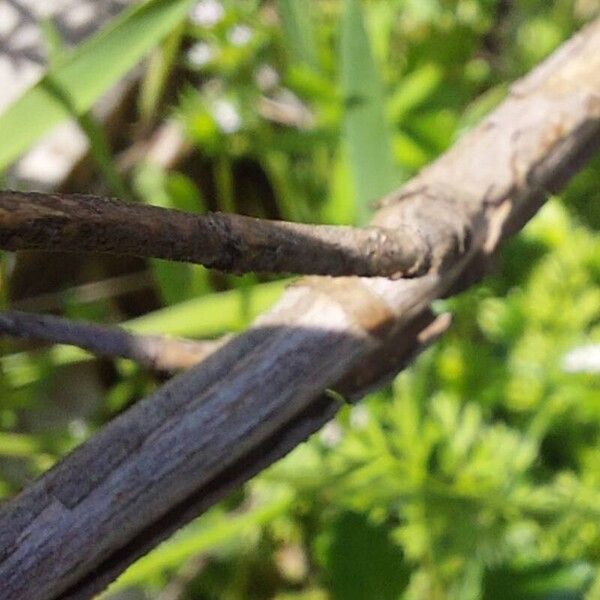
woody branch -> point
(174, 454)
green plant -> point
(475, 474)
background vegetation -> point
(477, 473)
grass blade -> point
(84, 75)
(366, 132)
(298, 31)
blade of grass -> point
(298, 31)
(86, 74)
(210, 315)
(177, 282)
(157, 73)
(365, 129)
(53, 42)
(98, 142)
(414, 90)
(18, 444)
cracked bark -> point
(181, 449)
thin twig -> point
(107, 288)
(157, 352)
(76, 223)
(177, 587)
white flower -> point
(200, 54)
(239, 35)
(359, 417)
(227, 116)
(9, 19)
(585, 359)
(79, 429)
(266, 77)
(207, 13)
(331, 434)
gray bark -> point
(178, 451)
(157, 352)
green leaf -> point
(157, 73)
(53, 41)
(362, 562)
(409, 152)
(176, 281)
(543, 582)
(298, 31)
(18, 444)
(84, 75)
(173, 280)
(101, 152)
(414, 90)
(337, 209)
(98, 142)
(365, 128)
(210, 315)
(215, 529)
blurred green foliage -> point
(477, 474)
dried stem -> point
(75, 223)
(154, 351)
